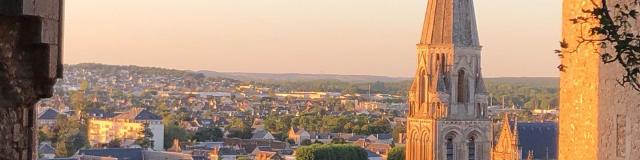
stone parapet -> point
(30, 63)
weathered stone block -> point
(49, 31)
(49, 9)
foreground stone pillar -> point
(599, 118)
(30, 62)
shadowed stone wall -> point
(30, 62)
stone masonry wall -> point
(598, 116)
(619, 116)
(30, 40)
(578, 90)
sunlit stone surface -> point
(599, 119)
(448, 101)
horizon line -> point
(332, 74)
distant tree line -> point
(394, 88)
(313, 123)
(524, 96)
(331, 152)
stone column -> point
(30, 63)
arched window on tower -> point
(463, 90)
(479, 110)
(422, 87)
(471, 144)
(443, 63)
(449, 147)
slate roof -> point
(248, 145)
(321, 136)
(46, 149)
(205, 122)
(371, 154)
(260, 134)
(541, 138)
(48, 114)
(356, 138)
(95, 112)
(383, 136)
(200, 157)
(299, 131)
(120, 153)
(227, 151)
(138, 114)
(285, 152)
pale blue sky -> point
(373, 37)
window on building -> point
(479, 110)
(462, 87)
(472, 148)
(422, 87)
(443, 63)
(449, 146)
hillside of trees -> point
(529, 93)
(526, 92)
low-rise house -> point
(249, 145)
(261, 149)
(379, 148)
(127, 127)
(381, 138)
(223, 154)
(46, 150)
(325, 138)
(131, 154)
(267, 155)
(262, 134)
(373, 156)
(47, 117)
(298, 135)
(190, 125)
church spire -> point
(507, 146)
(450, 22)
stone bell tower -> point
(448, 100)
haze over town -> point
(362, 37)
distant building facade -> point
(297, 135)
(127, 127)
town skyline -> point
(377, 37)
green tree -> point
(71, 136)
(306, 142)
(146, 141)
(379, 126)
(331, 152)
(172, 132)
(397, 130)
(208, 134)
(396, 153)
(78, 102)
(239, 129)
(84, 85)
(338, 141)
